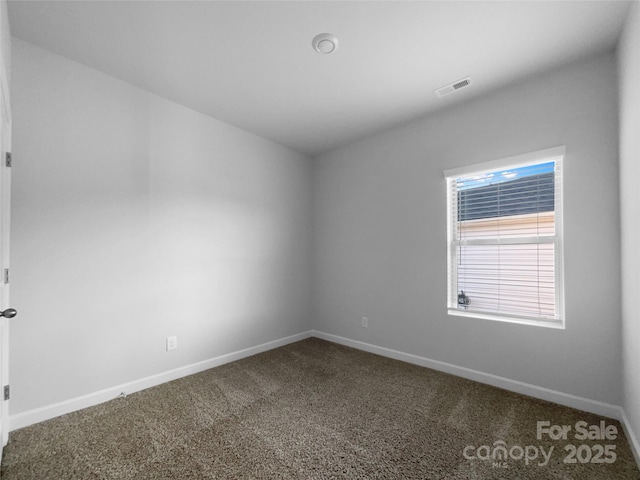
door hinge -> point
(7, 159)
(7, 392)
(6, 276)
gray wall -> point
(629, 61)
(380, 233)
(5, 43)
(134, 219)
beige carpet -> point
(313, 410)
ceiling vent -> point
(452, 87)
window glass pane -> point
(517, 279)
(519, 191)
(504, 240)
(513, 226)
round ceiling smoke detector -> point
(325, 43)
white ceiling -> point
(251, 64)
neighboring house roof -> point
(531, 194)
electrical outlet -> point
(365, 322)
(172, 343)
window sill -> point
(557, 324)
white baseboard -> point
(561, 398)
(579, 403)
(632, 438)
(24, 419)
(31, 417)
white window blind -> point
(504, 222)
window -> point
(505, 239)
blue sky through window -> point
(499, 176)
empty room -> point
(320, 239)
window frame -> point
(555, 154)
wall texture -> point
(629, 63)
(5, 49)
(134, 219)
(380, 233)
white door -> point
(5, 311)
